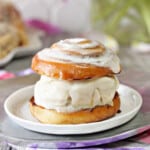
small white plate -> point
(35, 44)
(17, 108)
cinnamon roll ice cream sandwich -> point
(77, 84)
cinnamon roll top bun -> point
(76, 59)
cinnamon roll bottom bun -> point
(77, 84)
(98, 113)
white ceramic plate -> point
(34, 45)
(17, 108)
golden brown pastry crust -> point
(68, 71)
(84, 116)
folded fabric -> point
(44, 26)
(6, 75)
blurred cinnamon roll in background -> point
(12, 29)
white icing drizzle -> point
(102, 59)
(76, 45)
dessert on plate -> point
(12, 30)
(77, 84)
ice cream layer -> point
(70, 96)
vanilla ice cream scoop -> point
(70, 96)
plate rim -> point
(18, 119)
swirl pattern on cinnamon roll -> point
(77, 58)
